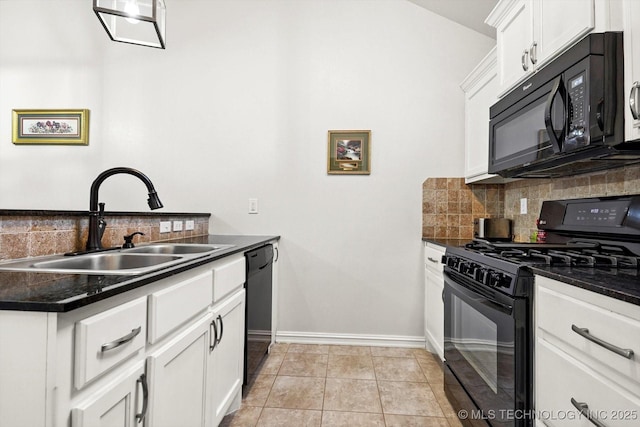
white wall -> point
(238, 106)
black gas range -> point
(489, 300)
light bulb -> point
(131, 9)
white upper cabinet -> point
(514, 33)
(558, 24)
(632, 68)
(481, 92)
(532, 32)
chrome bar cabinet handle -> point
(221, 329)
(584, 332)
(215, 335)
(121, 341)
(533, 53)
(145, 397)
(584, 410)
(432, 260)
(524, 60)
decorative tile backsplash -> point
(35, 235)
(449, 206)
(614, 182)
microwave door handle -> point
(558, 89)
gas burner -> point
(570, 254)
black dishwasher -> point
(258, 325)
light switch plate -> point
(177, 225)
(523, 206)
(165, 226)
(253, 206)
(189, 225)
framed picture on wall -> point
(65, 127)
(349, 152)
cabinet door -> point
(120, 403)
(553, 32)
(481, 92)
(435, 312)
(226, 359)
(434, 306)
(514, 38)
(632, 68)
(177, 378)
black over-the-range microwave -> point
(568, 118)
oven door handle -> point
(486, 300)
(558, 89)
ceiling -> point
(470, 13)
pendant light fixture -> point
(139, 22)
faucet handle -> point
(128, 240)
(101, 209)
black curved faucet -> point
(96, 219)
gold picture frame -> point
(349, 152)
(56, 127)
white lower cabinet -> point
(226, 360)
(122, 402)
(163, 354)
(434, 305)
(177, 378)
(586, 358)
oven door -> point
(487, 350)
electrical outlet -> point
(165, 226)
(189, 225)
(177, 225)
(523, 206)
(253, 206)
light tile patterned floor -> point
(335, 386)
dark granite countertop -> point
(44, 212)
(446, 242)
(51, 292)
(622, 284)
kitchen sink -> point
(138, 260)
(107, 262)
(177, 248)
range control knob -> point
(499, 280)
(482, 275)
(452, 262)
(495, 279)
(462, 267)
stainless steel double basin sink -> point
(138, 260)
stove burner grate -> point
(589, 257)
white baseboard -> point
(350, 339)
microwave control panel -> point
(577, 107)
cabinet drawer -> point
(228, 277)
(433, 259)
(613, 405)
(171, 307)
(106, 339)
(563, 313)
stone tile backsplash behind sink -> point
(24, 235)
(449, 206)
